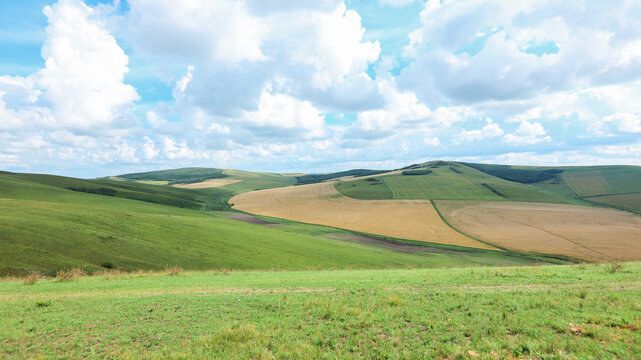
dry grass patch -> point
(70, 274)
(173, 270)
(32, 278)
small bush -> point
(173, 270)
(43, 303)
(107, 265)
(70, 274)
(614, 267)
(417, 172)
(32, 278)
(583, 293)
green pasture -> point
(545, 312)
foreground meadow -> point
(545, 312)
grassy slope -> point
(213, 198)
(603, 180)
(175, 176)
(551, 312)
(18, 186)
(45, 228)
(464, 183)
(373, 188)
(629, 202)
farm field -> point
(630, 202)
(590, 233)
(322, 204)
(545, 312)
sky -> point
(103, 87)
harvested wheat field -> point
(208, 184)
(322, 204)
(577, 231)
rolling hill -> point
(51, 222)
(463, 194)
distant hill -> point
(615, 186)
(176, 176)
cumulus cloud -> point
(82, 81)
(470, 51)
(238, 48)
(77, 98)
(528, 133)
(490, 130)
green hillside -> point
(603, 180)
(176, 176)
(449, 181)
(44, 226)
(629, 202)
(210, 198)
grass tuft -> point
(237, 334)
(32, 278)
(173, 270)
(614, 267)
(395, 300)
(70, 274)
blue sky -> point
(98, 88)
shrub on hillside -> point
(417, 172)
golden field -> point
(579, 231)
(322, 204)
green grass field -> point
(48, 227)
(546, 312)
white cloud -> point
(212, 31)
(490, 130)
(629, 123)
(84, 69)
(433, 141)
(278, 113)
(396, 3)
(528, 133)
(325, 62)
(470, 51)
